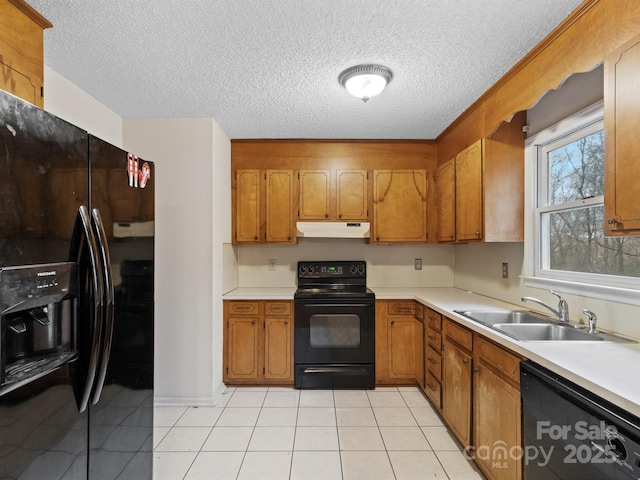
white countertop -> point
(606, 369)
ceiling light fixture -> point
(365, 81)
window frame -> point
(536, 271)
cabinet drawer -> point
(243, 308)
(277, 308)
(419, 311)
(434, 319)
(401, 308)
(434, 363)
(458, 334)
(433, 390)
(498, 359)
(434, 339)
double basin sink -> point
(532, 327)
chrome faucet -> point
(592, 320)
(563, 307)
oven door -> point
(334, 344)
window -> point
(566, 168)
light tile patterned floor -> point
(285, 434)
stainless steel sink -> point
(529, 326)
(508, 317)
(536, 332)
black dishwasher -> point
(571, 434)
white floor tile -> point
(167, 416)
(385, 398)
(317, 417)
(351, 398)
(184, 439)
(265, 466)
(441, 439)
(224, 398)
(270, 439)
(457, 468)
(158, 434)
(404, 438)
(238, 417)
(394, 417)
(426, 416)
(199, 417)
(171, 465)
(215, 466)
(355, 417)
(316, 398)
(360, 438)
(228, 439)
(282, 398)
(316, 438)
(415, 398)
(417, 466)
(242, 398)
(277, 417)
(366, 466)
(316, 466)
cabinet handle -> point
(339, 215)
(612, 221)
(432, 361)
(286, 322)
(253, 322)
(431, 337)
(392, 322)
(326, 215)
(477, 234)
(465, 361)
(255, 238)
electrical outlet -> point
(505, 270)
(417, 264)
(272, 264)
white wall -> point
(183, 152)
(65, 100)
(387, 265)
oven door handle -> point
(334, 370)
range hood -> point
(333, 229)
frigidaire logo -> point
(47, 274)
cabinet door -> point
(493, 394)
(456, 391)
(418, 340)
(401, 347)
(445, 193)
(468, 193)
(315, 194)
(351, 195)
(242, 348)
(279, 209)
(278, 351)
(247, 203)
(400, 206)
(622, 123)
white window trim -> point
(605, 287)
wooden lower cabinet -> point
(496, 390)
(456, 387)
(258, 342)
(399, 343)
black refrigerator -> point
(76, 302)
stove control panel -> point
(352, 269)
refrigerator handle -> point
(98, 297)
(108, 318)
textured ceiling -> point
(269, 68)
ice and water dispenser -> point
(38, 306)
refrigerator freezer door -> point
(124, 407)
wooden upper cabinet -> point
(480, 192)
(445, 194)
(621, 124)
(468, 193)
(351, 195)
(263, 206)
(247, 206)
(21, 51)
(338, 195)
(315, 194)
(399, 206)
(279, 207)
